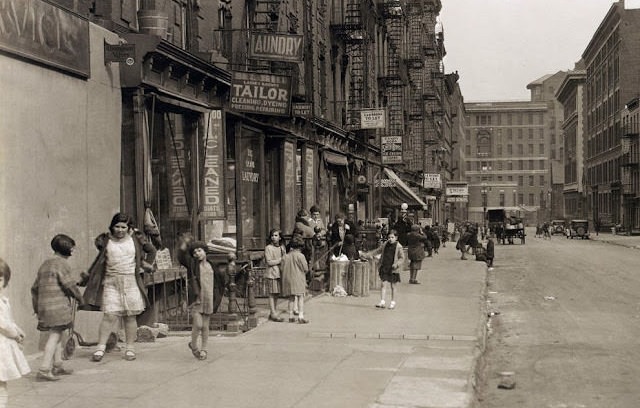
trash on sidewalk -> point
(549, 298)
(494, 313)
(338, 291)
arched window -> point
(484, 143)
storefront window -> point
(251, 209)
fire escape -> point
(629, 170)
(418, 41)
(356, 28)
(395, 78)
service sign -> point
(461, 189)
(302, 109)
(391, 149)
(276, 47)
(372, 119)
(432, 181)
(261, 93)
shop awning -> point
(335, 158)
(405, 190)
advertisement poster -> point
(213, 175)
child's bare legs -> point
(130, 332)
(383, 293)
(272, 305)
(4, 395)
(290, 306)
(204, 334)
(300, 303)
(196, 329)
(104, 331)
(52, 355)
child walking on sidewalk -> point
(51, 296)
(13, 364)
(294, 283)
(201, 291)
(390, 263)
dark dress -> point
(386, 264)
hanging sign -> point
(176, 171)
(212, 176)
(119, 53)
(276, 47)
(431, 181)
(261, 93)
(372, 119)
(391, 149)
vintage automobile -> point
(505, 227)
(557, 227)
(578, 229)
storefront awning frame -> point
(393, 176)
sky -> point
(500, 46)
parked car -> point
(557, 227)
(578, 228)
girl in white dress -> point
(13, 364)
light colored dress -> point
(206, 290)
(294, 269)
(13, 364)
(121, 295)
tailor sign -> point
(41, 32)
(261, 93)
(275, 47)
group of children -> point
(52, 292)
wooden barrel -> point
(338, 274)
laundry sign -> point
(276, 47)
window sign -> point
(177, 173)
(288, 186)
(251, 211)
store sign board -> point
(177, 173)
(459, 199)
(457, 189)
(41, 32)
(391, 149)
(276, 47)
(309, 184)
(288, 185)
(431, 180)
(302, 109)
(372, 119)
(261, 93)
(213, 172)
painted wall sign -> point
(276, 47)
(44, 33)
(372, 118)
(288, 186)
(310, 184)
(261, 93)
(391, 149)
(177, 173)
(213, 173)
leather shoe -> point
(276, 319)
(61, 371)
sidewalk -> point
(629, 241)
(351, 354)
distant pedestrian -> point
(51, 295)
(403, 226)
(416, 244)
(490, 253)
(201, 288)
(274, 253)
(392, 259)
(294, 285)
(13, 364)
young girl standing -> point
(201, 291)
(274, 253)
(51, 295)
(390, 262)
(13, 364)
(294, 284)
